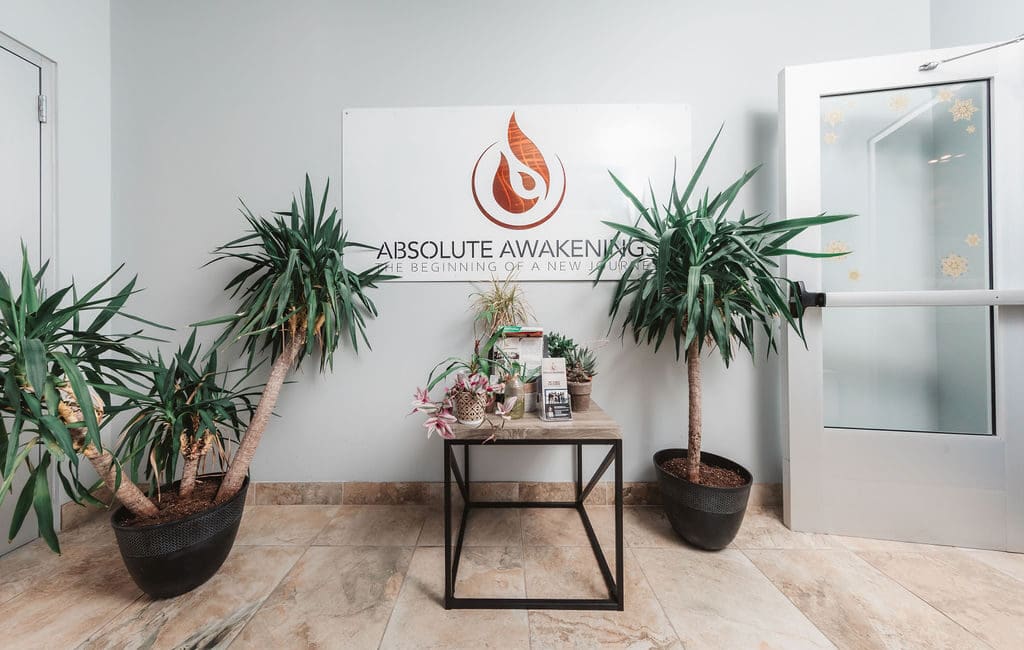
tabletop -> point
(593, 424)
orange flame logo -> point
(521, 190)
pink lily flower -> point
(440, 423)
(505, 409)
(421, 402)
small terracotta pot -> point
(530, 396)
(579, 392)
(470, 407)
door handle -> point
(800, 299)
(921, 298)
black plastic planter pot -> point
(175, 557)
(707, 517)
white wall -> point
(76, 35)
(224, 99)
(979, 21)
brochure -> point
(554, 391)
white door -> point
(904, 413)
(20, 204)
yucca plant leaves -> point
(43, 506)
(22, 505)
(703, 276)
(294, 272)
(43, 347)
(187, 395)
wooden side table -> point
(593, 427)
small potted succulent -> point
(704, 282)
(580, 367)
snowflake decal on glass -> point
(945, 95)
(954, 265)
(833, 117)
(898, 103)
(972, 240)
(854, 275)
(970, 128)
(963, 109)
(837, 247)
(831, 137)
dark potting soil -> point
(710, 476)
(172, 507)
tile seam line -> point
(270, 592)
(654, 591)
(963, 550)
(919, 596)
(743, 552)
(405, 575)
(298, 558)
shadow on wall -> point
(768, 375)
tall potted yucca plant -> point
(58, 375)
(706, 281)
(296, 297)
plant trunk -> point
(693, 444)
(188, 474)
(128, 493)
(193, 450)
(238, 468)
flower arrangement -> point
(441, 415)
(467, 399)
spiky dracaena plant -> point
(296, 297)
(57, 375)
(190, 409)
(501, 304)
(705, 279)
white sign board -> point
(474, 192)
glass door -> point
(901, 415)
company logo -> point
(514, 185)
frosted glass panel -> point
(913, 164)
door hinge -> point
(41, 108)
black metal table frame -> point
(614, 584)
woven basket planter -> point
(469, 407)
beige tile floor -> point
(304, 576)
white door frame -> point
(47, 151)
(47, 190)
(806, 442)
